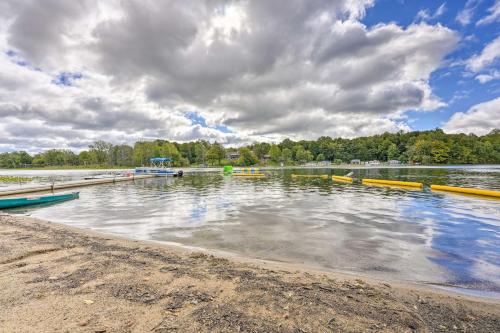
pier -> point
(72, 184)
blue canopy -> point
(160, 159)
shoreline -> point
(265, 167)
(298, 267)
(57, 276)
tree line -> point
(423, 147)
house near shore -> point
(356, 161)
(233, 156)
(394, 162)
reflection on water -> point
(387, 232)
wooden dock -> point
(72, 184)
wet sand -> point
(55, 278)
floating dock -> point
(467, 190)
(368, 181)
(73, 184)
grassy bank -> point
(14, 179)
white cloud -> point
(425, 15)
(488, 56)
(494, 15)
(493, 75)
(464, 17)
(312, 70)
(479, 119)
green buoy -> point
(228, 169)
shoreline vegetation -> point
(428, 147)
(15, 179)
(22, 179)
(54, 275)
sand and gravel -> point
(54, 278)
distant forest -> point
(426, 147)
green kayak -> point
(46, 199)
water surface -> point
(411, 235)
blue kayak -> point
(45, 199)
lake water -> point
(392, 233)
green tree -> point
(102, 151)
(275, 153)
(247, 157)
(261, 149)
(421, 151)
(86, 158)
(216, 153)
(286, 154)
(38, 160)
(143, 151)
(200, 152)
(392, 152)
(439, 152)
(302, 155)
(122, 155)
(320, 157)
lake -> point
(392, 233)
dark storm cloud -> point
(39, 27)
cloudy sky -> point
(72, 72)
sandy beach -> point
(55, 278)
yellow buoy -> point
(310, 176)
(367, 181)
(249, 174)
(468, 190)
(342, 178)
(407, 188)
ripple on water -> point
(387, 232)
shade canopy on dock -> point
(160, 159)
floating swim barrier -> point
(250, 170)
(368, 181)
(467, 190)
(228, 169)
(246, 171)
(310, 176)
(249, 174)
(406, 188)
(342, 179)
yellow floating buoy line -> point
(415, 185)
(368, 181)
(249, 174)
(381, 182)
(243, 172)
(310, 176)
(467, 190)
(342, 179)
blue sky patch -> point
(452, 83)
(10, 53)
(67, 78)
(197, 119)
